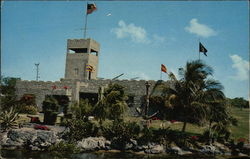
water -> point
(13, 154)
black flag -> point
(202, 49)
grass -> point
(242, 130)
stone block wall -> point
(40, 89)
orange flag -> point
(163, 68)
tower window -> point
(76, 71)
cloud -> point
(135, 33)
(199, 29)
(242, 67)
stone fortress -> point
(80, 81)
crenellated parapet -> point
(73, 87)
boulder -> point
(246, 149)
(210, 149)
(153, 148)
(93, 143)
(29, 138)
(131, 145)
(221, 147)
(177, 150)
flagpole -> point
(85, 27)
(161, 75)
(199, 50)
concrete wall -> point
(80, 59)
(76, 61)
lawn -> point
(242, 130)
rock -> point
(93, 143)
(131, 145)
(246, 149)
(29, 138)
(210, 149)
(242, 155)
(175, 150)
(153, 148)
(222, 148)
(157, 149)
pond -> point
(11, 154)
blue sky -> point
(135, 37)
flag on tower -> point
(91, 8)
(89, 68)
(202, 49)
(163, 68)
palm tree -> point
(185, 94)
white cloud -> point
(242, 67)
(135, 33)
(199, 29)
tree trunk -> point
(209, 131)
(184, 126)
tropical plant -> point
(113, 103)
(8, 118)
(184, 94)
(82, 109)
(199, 99)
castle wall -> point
(40, 89)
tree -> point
(185, 94)
(217, 113)
(113, 103)
(8, 92)
(239, 102)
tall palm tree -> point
(185, 94)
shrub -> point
(63, 148)
(8, 118)
(82, 109)
(147, 135)
(79, 129)
(122, 132)
(28, 109)
(50, 109)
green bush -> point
(50, 109)
(63, 148)
(122, 132)
(28, 109)
(79, 129)
(147, 135)
(82, 109)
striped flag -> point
(89, 68)
(163, 68)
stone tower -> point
(82, 57)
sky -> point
(136, 37)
